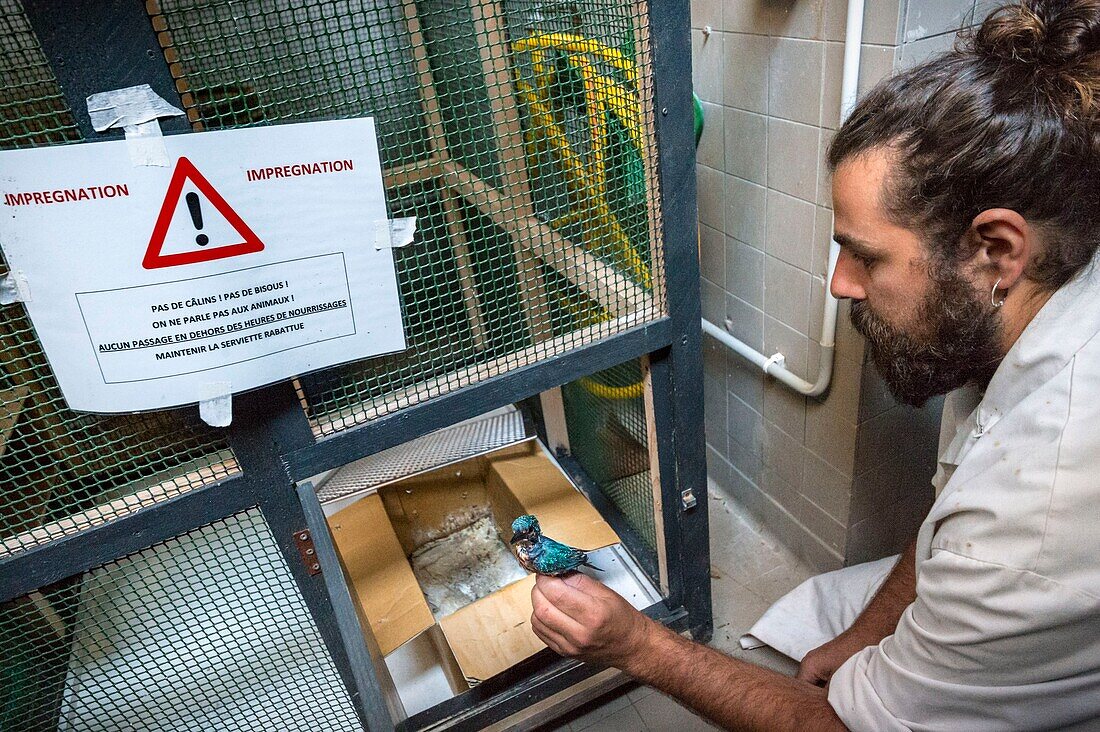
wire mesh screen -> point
(32, 109)
(61, 471)
(515, 131)
(606, 417)
(205, 631)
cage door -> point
(380, 705)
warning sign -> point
(250, 260)
(198, 324)
(194, 244)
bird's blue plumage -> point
(526, 523)
(541, 554)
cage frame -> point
(277, 449)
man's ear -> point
(1004, 245)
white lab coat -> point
(1005, 630)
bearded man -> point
(965, 194)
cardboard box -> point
(376, 535)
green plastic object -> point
(699, 122)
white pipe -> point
(774, 365)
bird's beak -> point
(516, 538)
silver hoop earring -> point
(993, 295)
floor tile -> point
(735, 611)
(625, 720)
(777, 582)
(589, 719)
(662, 714)
(748, 559)
(641, 692)
(750, 569)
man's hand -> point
(819, 665)
(580, 617)
(878, 620)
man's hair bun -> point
(1009, 118)
(1054, 34)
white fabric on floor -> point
(818, 610)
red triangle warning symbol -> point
(191, 254)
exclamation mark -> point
(196, 217)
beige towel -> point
(818, 610)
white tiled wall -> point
(838, 478)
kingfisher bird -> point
(543, 555)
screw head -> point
(664, 110)
(309, 552)
(303, 536)
(315, 566)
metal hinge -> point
(307, 552)
(687, 499)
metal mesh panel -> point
(32, 109)
(205, 631)
(606, 418)
(280, 60)
(60, 471)
(514, 131)
(433, 450)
